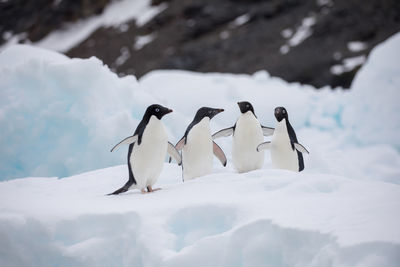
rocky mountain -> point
(318, 42)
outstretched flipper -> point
(219, 154)
(223, 133)
(178, 147)
(300, 148)
(264, 146)
(129, 140)
(267, 131)
(180, 144)
(174, 153)
(122, 189)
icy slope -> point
(72, 111)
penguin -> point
(147, 149)
(247, 133)
(286, 152)
(198, 147)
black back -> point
(201, 114)
(280, 114)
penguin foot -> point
(143, 191)
(150, 189)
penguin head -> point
(157, 110)
(281, 113)
(207, 112)
(245, 106)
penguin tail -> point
(122, 189)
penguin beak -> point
(220, 110)
(169, 111)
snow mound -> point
(265, 217)
(56, 112)
(61, 116)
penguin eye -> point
(210, 111)
(157, 109)
(283, 111)
(247, 106)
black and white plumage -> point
(198, 147)
(286, 152)
(147, 149)
(247, 133)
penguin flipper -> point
(219, 154)
(180, 144)
(300, 148)
(267, 131)
(129, 140)
(174, 153)
(123, 189)
(264, 146)
(178, 147)
(223, 133)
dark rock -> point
(40, 17)
(203, 35)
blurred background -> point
(316, 42)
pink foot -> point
(150, 189)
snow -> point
(348, 64)
(263, 217)
(125, 55)
(141, 41)
(61, 116)
(356, 46)
(302, 33)
(115, 14)
(239, 21)
(325, 3)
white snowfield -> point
(61, 116)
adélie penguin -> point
(198, 147)
(247, 133)
(147, 150)
(286, 152)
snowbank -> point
(60, 116)
(71, 111)
(266, 217)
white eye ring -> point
(157, 109)
(283, 111)
(247, 106)
(209, 111)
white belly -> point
(147, 159)
(197, 154)
(282, 154)
(248, 135)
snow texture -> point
(61, 116)
(302, 33)
(356, 46)
(114, 15)
(348, 65)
